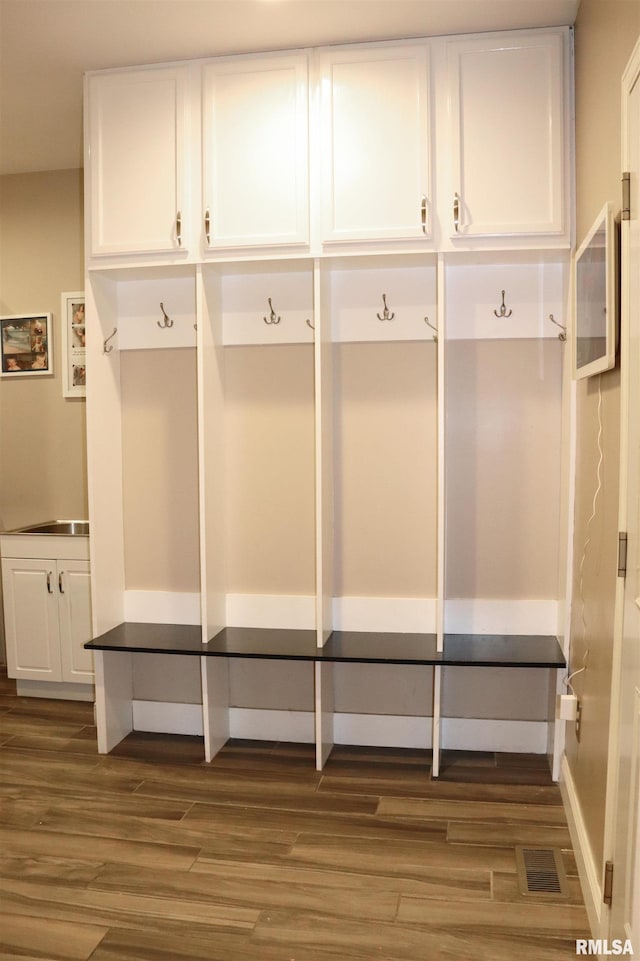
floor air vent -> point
(541, 871)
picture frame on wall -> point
(26, 348)
(73, 344)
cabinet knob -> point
(207, 225)
(60, 583)
(179, 228)
(456, 212)
(49, 589)
(423, 214)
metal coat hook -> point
(273, 319)
(385, 313)
(309, 324)
(105, 349)
(167, 322)
(563, 330)
(502, 312)
(435, 329)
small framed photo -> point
(26, 345)
(74, 378)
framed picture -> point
(74, 379)
(26, 345)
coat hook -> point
(385, 313)
(167, 322)
(429, 324)
(105, 349)
(309, 324)
(272, 316)
(563, 330)
(503, 310)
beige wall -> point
(604, 38)
(42, 434)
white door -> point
(375, 143)
(74, 604)
(625, 908)
(136, 160)
(255, 149)
(507, 101)
(31, 619)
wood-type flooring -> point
(149, 854)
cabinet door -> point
(256, 151)
(136, 129)
(507, 97)
(74, 602)
(31, 619)
(375, 143)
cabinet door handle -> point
(60, 587)
(423, 214)
(207, 225)
(456, 212)
(179, 228)
(49, 589)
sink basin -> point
(59, 528)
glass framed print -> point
(74, 378)
(25, 342)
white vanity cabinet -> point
(255, 151)
(139, 161)
(47, 602)
(508, 160)
(375, 143)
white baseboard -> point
(373, 730)
(164, 718)
(286, 611)
(471, 616)
(161, 607)
(587, 868)
(58, 690)
(297, 611)
(401, 614)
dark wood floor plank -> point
(246, 885)
(501, 834)
(217, 815)
(54, 870)
(109, 908)
(470, 811)
(446, 883)
(19, 842)
(423, 788)
(135, 945)
(524, 919)
(399, 942)
(21, 935)
(78, 744)
(277, 793)
(398, 857)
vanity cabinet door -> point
(375, 143)
(31, 619)
(136, 162)
(47, 619)
(255, 151)
(74, 609)
(509, 141)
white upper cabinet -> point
(255, 151)
(375, 143)
(509, 104)
(136, 161)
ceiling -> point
(46, 45)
